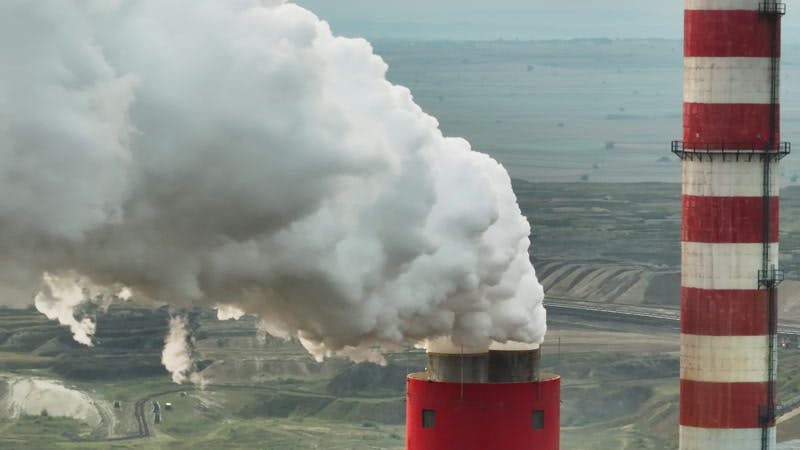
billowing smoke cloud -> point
(239, 154)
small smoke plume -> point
(228, 312)
(178, 354)
(239, 154)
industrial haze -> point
(583, 127)
(506, 19)
(456, 20)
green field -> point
(305, 406)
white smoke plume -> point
(228, 312)
(238, 153)
(58, 300)
(177, 354)
(73, 301)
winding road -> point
(141, 416)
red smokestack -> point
(483, 400)
(730, 151)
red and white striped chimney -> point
(729, 239)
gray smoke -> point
(238, 154)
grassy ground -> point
(626, 223)
(608, 222)
(38, 432)
(59, 433)
(12, 360)
(619, 391)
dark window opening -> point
(428, 418)
(537, 419)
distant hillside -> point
(620, 242)
(610, 283)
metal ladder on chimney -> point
(769, 277)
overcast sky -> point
(510, 19)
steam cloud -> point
(177, 356)
(237, 154)
(58, 300)
(73, 300)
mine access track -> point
(629, 313)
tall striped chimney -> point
(729, 238)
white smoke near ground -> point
(239, 154)
(228, 312)
(58, 300)
(177, 356)
(73, 300)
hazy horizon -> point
(510, 19)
